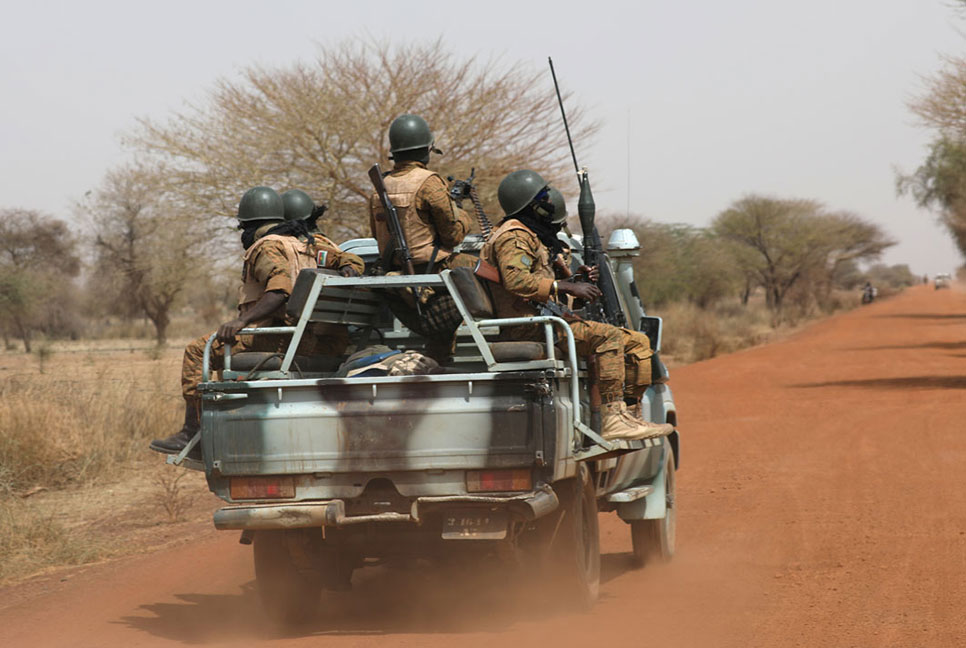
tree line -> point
(161, 225)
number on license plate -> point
(474, 524)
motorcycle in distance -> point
(868, 293)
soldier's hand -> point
(348, 271)
(585, 291)
(228, 330)
(592, 273)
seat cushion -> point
(474, 294)
(267, 361)
(517, 351)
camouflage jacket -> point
(525, 269)
(439, 219)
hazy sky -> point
(794, 99)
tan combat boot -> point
(617, 423)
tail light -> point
(486, 481)
(243, 488)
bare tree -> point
(318, 126)
(146, 241)
(38, 260)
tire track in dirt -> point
(821, 504)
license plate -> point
(474, 524)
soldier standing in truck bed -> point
(523, 248)
(433, 225)
(276, 250)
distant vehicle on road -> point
(869, 293)
(943, 280)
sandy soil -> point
(820, 504)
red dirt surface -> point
(821, 503)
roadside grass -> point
(692, 334)
(74, 429)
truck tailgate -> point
(375, 424)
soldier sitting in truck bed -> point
(523, 248)
(276, 250)
(433, 225)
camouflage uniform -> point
(273, 264)
(426, 212)
(527, 275)
(429, 218)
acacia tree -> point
(38, 261)
(318, 126)
(147, 244)
(940, 181)
(782, 243)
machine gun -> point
(462, 189)
(608, 307)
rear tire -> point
(654, 540)
(288, 586)
(575, 548)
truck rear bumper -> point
(529, 506)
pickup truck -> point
(495, 455)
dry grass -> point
(79, 422)
(73, 451)
(692, 334)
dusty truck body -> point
(497, 455)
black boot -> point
(177, 442)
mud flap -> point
(653, 506)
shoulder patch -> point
(526, 260)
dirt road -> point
(822, 503)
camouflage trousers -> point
(331, 340)
(623, 356)
(437, 318)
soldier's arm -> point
(450, 222)
(336, 259)
(515, 257)
(270, 265)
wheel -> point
(653, 540)
(288, 585)
(575, 547)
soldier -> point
(523, 248)
(331, 339)
(433, 225)
(298, 206)
(274, 255)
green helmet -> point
(261, 203)
(519, 189)
(559, 206)
(408, 133)
(298, 205)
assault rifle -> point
(397, 238)
(608, 307)
(462, 189)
